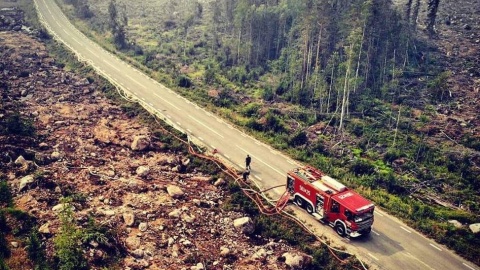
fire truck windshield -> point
(363, 216)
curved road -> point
(391, 245)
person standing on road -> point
(248, 160)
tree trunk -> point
(432, 15)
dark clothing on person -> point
(248, 160)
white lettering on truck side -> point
(346, 195)
(303, 189)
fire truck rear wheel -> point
(299, 201)
(340, 229)
(309, 208)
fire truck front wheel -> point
(340, 229)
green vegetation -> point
(354, 70)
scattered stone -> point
(14, 244)
(61, 207)
(44, 228)
(475, 228)
(199, 266)
(143, 226)
(132, 242)
(467, 27)
(455, 223)
(140, 143)
(259, 254)
(188, 218)
(224, 251)
(25, 181)
(244, 224)
(138, 253)
(143, 171)
(20, 161)
(297, 260)
(55, 155)
(175, 213)
(129, 218)
(219, 182)
(175, 191)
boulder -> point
(175, 213)
(62, 206)
(455, 223)
(55, 155)
(129, 218)
(259, 254)
(14, 244)
(25, 181)
(219, 182)
(143, 171)
(20, 161)
(224, 251)
(188, 218)
(132, 243)
(143, 226)
(138, 253)
(44, 228)
(244, 224)
(297, 260)
(199, 266)
(175, 191)
(140, 143)
(475, 228)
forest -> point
(357, 88)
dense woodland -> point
(352, 87)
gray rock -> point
(143, 226)
(132, 243)
(199, 266)
(175, 213)
(140, 143)
(175, 191)
(138, 253)
(455, 223)
(62, 206)
(129, 218)
(219, 182)
(475, 227)
(143, 171)
(25, 181)
(20, 161)
(244, 224)
(55, 155)
(14, 244)
(259, 254)
(297, 260)
(44, 228)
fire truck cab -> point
(330, 201)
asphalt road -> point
(391, 245)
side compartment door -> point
(319, 205)
(290, 184)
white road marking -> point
(244, 135)
(66, 32)
(209, 114)
(376, 212)
(136, 81)
(257, 143)
(439, 249)
(219, 120)
(230, 127)
(201, 123)
(76, 40)
(178, 123)
(405, 229)
(108, 63)
(268, 165)
(227, 156)
(151, 105)
(143, 98)
(370, 254)
(171, 104)
(273, 152)
(410, 254)
(169, 116)
(375, 233)
(258, 177)
(200, 138)
(189, 130)
(468, 266)
(291, 162)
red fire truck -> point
(330, 201)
